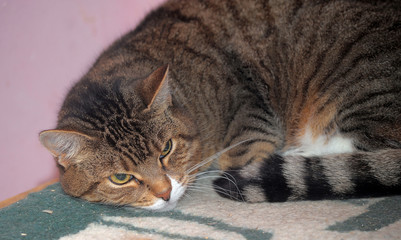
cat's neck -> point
(211, 120)
(209, 126)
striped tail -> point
(338, 176)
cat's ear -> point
(154, 89)
(63, 145)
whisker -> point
(198, 188)
(232, 180)
(224, 175)
(208, 171)
(195, 176)
(207, 177)
(187, 195)
(218, 189)
(222, 172)
(214, 156)
(205, 189)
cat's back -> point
(305, 52)
(284, 41)
(339, 63)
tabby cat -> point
(297, 99)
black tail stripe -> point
(273, 181)
(317, 183)
(366, 184)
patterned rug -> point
(50, 214)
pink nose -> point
(164, 195)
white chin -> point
(161, 206)
(177, 192)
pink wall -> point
(45, 46)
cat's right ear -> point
(63, 145)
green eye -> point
(120, 178)
(167, 149)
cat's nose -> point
(165, 195)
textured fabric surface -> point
(50, 214)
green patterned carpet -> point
(50, 214)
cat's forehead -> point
(135, 140)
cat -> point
(297, 99)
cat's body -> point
(305, 94)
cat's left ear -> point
(154, 89)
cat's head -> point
(124, 143)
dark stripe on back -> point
(344, 52)
(245, 146)
(328, 88)
(243, 131)
(259, 118)
(238, 152)
(394, 93)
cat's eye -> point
(166, 150)
(120, 178)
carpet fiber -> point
(50, 214)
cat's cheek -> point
(75, 181)
(92, 198)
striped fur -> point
(336, 176)
(307, 91)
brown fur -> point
(213, 74)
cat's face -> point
(142, 161)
